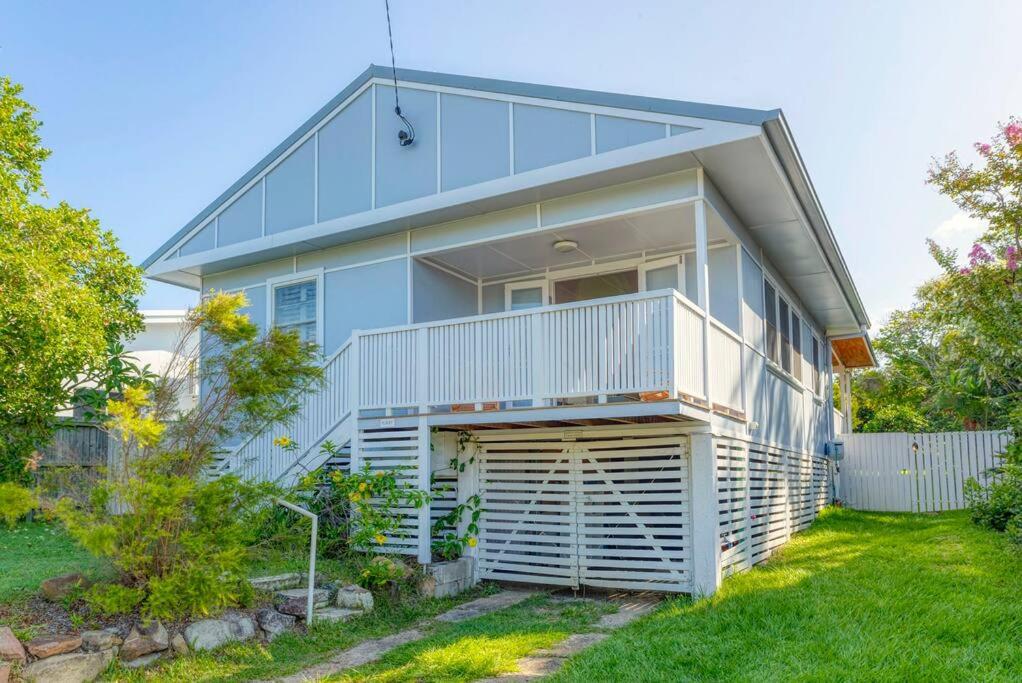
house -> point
(630, 310)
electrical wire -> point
(407, 136)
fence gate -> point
(610, 509)
(900, 472)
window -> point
(770, 308)
(521, 295)
(817, 368)
(785, 320)
(796, 346)
(596, 286)
(295, 308)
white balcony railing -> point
(648, 342)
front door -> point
(609, 511)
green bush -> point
(179, 539)
(15, 502)
(998, 505)
(110, 599)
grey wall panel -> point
(438, 295)
(256, 308)
(724, 304)
(404, 173)
(475, 228)
(691, 278)
(248, 276)
(355, 253)
(678, 130)
(474, 140)
(345, 161)
(620, 197)
(363, 298)
(493, 298)
(545, 136)
(614, 132)
(752, 302)
(290, 192)
(203, 240)
(243, 220)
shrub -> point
(112, 598)
(381, 571)
(179, 540)
(15, 502)
(998, 505)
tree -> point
(67, 294)
(179, 541)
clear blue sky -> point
(153, 109)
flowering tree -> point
(982, 299)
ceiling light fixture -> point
(565, 246)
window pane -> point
(785, 334)
(529, 297)
(596, 286)
(662, 278)
(770, 316)
(796, 346)
(294, 308)
(816, 365)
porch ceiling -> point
(653, 231)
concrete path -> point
(543, 663)
(372, 650)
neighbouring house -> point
(629, 311)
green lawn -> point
(33, 552)
(857, 597)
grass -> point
(481, 647)
(35, 551)
(857, 597)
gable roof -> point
(712, 112)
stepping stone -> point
(334, 614)
(294, 601)
(277, 582)
(629, 608)
(485, 605)
(572, 645)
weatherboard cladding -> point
(474, 146)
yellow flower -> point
(379, 474)
(354, 497)
(363, 486)
(472, 541)
(380, 539)
(282, 441)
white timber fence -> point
(900, 472)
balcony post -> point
(536, 351)
(703, 290)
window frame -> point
(543, 284)
(273, 283)
(677, 261)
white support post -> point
(422, 369)
(354, 365)
(424, 466)
(673, 366)
(536, 351)
(706, 575)
(846, 398)
(703, 290)
(741, 328)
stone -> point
(480, 606)
(5, 673)
(293, 601)
(210, 634)
(179, 645)
(273, 623)
(103, 639)
(355, 597)
(331, 614)
(50, 646)
(77, 667)
(444, 579)
(277, 582)
(11, 649)
(572, 645)
(143, 661)
(59, 587)
(142, 640)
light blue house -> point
(636, 307)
